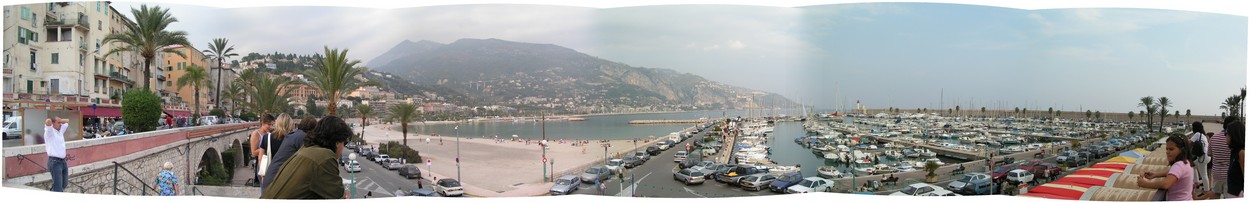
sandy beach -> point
(490, 168)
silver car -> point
(596, 173)
(566, 185)
(690, 176)
(756, 182)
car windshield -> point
(752, 178)
(1001, 169)
(808, 183)
(615, 163)
(563, 182)
(910, 191)
(786, 178)
(592, 170)
(449, 183)
(965, 178)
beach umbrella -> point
(514, 136)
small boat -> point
(928, 153)
(935, 160)
(883, 169)
(832, 156)
(894, 154)
(830, 172)
(910, 153)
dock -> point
(667, 121)
(939, 150)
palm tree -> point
(196, 77)
(404, 113)
(1149, 103)
(1187, 114)
(1098, 115)
(1130, 115)
(1088, 113)
(269, 93)
(365, 111)
(1232, 104)
(219, 50)
(1177, 115)
(335, 76)
(147, 36)
(234, 94)
(1164, 103)
(1050, 111)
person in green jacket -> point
(313, 172)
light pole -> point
(457, 129)
(352, 157)
(543, 144)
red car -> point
(1046, 170)
(1000, 173)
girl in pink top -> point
(1179, 181)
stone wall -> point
(98, 178)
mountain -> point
(546, 76)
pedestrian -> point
(420, 185)
(1198, 144)
(369, 194)
(167, 182)
(266, 122)
(290, 143)
(1237, 159)
(54, 145)
(427, 140)
(280, 127)
(1219, 163)
(313, 172)
(1178, 181)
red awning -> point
(101, 112)
(179, 113)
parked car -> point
(673, 143)
(1020, 175)
(756, 182)
(653, 150)
(12, 127)
(566, 185)
(380, 158)
(448, 187)
(343, 159)
(662, 145)
(1046, 169)
(692, 159)
(1000, 173)
(616, 165)
(393, 164)
(811, 184)
(917, 189)
(631, 162)
(595, 173)
(944, 193)
(785, 181)
(732, 175)
(421, 193)
(681, 155)
(410, 172)
(643, 155)
(690, 176)
(972, 184)
(353, 166)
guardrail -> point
(81, 189)
(143, 191)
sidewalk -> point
(241, 175)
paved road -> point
(655, 179)
(380, 181)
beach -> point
(494, 168)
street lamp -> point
(352, 157)
(457, 129)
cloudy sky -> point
(884, 54)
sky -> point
(907, 55)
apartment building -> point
(53, 51)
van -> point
(692, 159)
(12, 127)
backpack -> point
(1196, 151)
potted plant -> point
(931, 167)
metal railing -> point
(20, 158)
(195, 191)
(143, 191)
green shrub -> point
(227, 160)
(249, 116)
(396, 149)
(141, 109)
(218, 112)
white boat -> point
(928, 153)
(883, 169)
(864, 168)
(844, 148)
(894, 154)
(832, 156)
(935, 160)
(830, 172)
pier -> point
(939, 150)
(667, 121)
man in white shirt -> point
(54, 145)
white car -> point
(12, 127)
(944, 193)
(918, 189)
(353, 166)
(448, 187)
(811, 184)
(1020, 175)
(680, 156)
(381, 158)
(616, 165)
(662, 146)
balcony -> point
(81, 22)
(120, 78)
(160, 77)
(82, 46)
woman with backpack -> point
(1198, 155)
